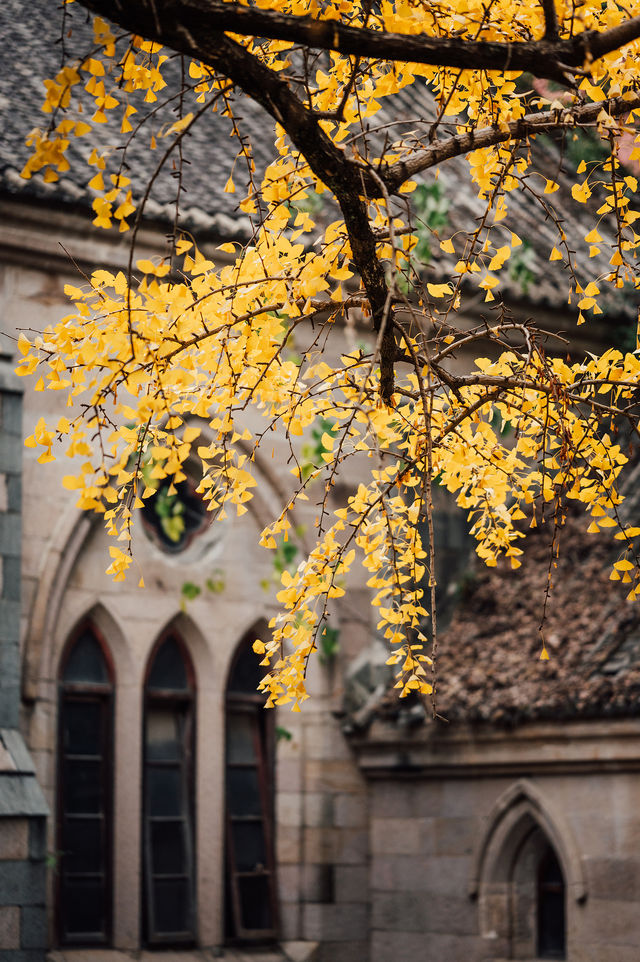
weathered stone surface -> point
(289, 809)
(403, 873)
(335, 923)
(318, 883)
(398, 800)
(288, 845)
(10, 579)
(340, 776)
(411, 946)
(22, 883)
(400, 836)
(4, 493)
(342, 846)
(10, 451)
(423, 912)
(351, 883)
(14, 838)
(350, 811)
(34, 927)
(343, 952)
(455, 836)
(12, 413)
(614, 878)
(301, 951)
(611, 922)
(9, 928)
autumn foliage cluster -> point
(146, 357)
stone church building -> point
(149, 804)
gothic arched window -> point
(168, 810)
(85, 790)
(526, 863)
(251, 908)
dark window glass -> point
(164, 735)
(172, 906)
(174, 515)
(168, 845)
(246, 673)
(83, 728)
(165, 790)
(82, 843)
(85, 772)
(168, 672)
(255, 902)
(250, 912)
(551, 908)
(83, 909)
(85, 663)
(241, 747)
(249, 846)
(83, 786)
(168, 793)
(243, 791)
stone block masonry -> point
(23, 811)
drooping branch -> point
(163, 20)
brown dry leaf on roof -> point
(489, 666)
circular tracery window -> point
(175, 515)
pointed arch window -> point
(85, 791)
(251, 908)
(168, 810)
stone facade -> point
(23, 927)
(400, 840)
(452, 814)
(320, 797)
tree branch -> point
(550, 20)
(161, 20)
(395, 175)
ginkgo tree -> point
(143, 353)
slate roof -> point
(31, 29)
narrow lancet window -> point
(168, 835)
(85, 788)
(250, 883)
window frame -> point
(251, 703)
(77, 692)
(184, 700)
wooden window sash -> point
(238, 704)
(77, 693)
(179, 701)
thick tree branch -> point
(162, 19)
(396, 174)
(197, 28)
(550, 20)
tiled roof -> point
(32, 29)
(489, 666)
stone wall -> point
(450, 814)
(23, 934)
(10, 546)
